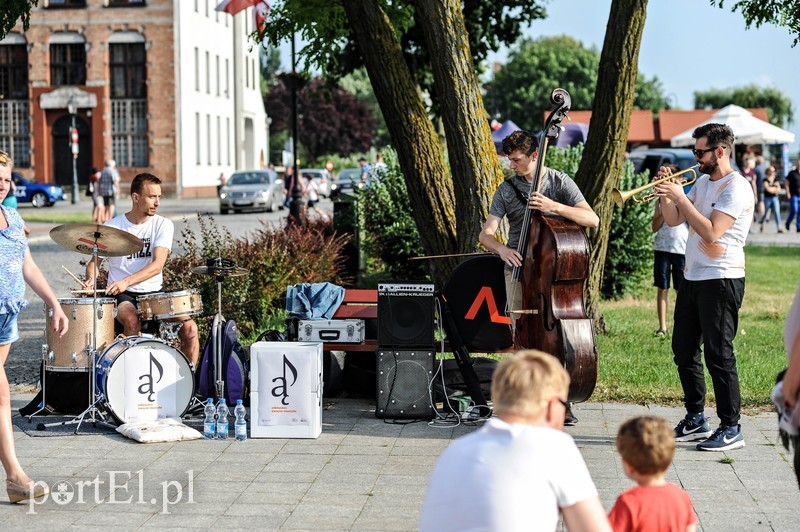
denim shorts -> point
(8, 329)
(666, 263)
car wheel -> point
(39, 200)
(223, 211)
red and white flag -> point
(234, 6)
(260, 14)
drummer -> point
(142, 273)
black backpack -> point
(235, 368)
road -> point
(22, 366)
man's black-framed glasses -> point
(699, 153)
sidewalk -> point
(360, 474)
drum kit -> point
(130, 378)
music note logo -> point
(148, 387)
(282, 390)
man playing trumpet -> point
(719, 211)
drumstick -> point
(72, 275)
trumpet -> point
(621, 196)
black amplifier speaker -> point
(405, 314)
(402, 379)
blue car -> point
(39, 194)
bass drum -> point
(143, 378)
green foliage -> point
(391, 234)
(521, 90)
(358, 84)
(274, 258)
(13, 11)
(779, 106)
(630, 240)
(781, 12)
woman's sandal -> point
(661, 333)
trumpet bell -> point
(622, 196)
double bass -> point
(553, 274)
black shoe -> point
(570, 420)
(787, 225)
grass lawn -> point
(634, 366)
(53, 216)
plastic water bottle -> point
(240, 425)
(209, 425)
(222, 420)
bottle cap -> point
(238, 401)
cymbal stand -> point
(94, 397)
(219, 268)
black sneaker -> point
(570, 420)
(693, 427)
(724, 438)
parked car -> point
(652, 159)
(38, 194)
(251, 190)
(346, 182)
(323, 179)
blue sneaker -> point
(724, 438)
(693, 427)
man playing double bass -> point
(558, 195)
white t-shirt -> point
(505, 477)
(156, 232)
(313, 190)
(724, 259)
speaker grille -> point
(402, 379)
(405, 315)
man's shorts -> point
(663, 263)
(108, 200)
(8, 329)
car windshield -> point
(346, 176)
(253, 178)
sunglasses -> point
(699, 153)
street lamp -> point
(73, 140)
(294, 82)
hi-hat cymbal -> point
(234, 271)
(111, 242)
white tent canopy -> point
(747, 128)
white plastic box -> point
(286, 390)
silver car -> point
(322, 177)
(251, 190)
(347, 181)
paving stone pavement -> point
(360, 474)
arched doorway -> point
(62, 151)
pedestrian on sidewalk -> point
(646, 445)
(772, 199)
(520, 470)
(793, 195)
(18, 269)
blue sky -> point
(690, 46)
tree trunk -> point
(427, 176)
(604, 154)
(471, 152)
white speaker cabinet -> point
(286, 390)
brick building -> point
(162, 86)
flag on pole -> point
(234, 6)
(260, 14)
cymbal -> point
(221, 272)
(111, 242)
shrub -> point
(274, 258)
(391, 234)
(630, 241)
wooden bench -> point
(363, 305)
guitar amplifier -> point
(405, 314)
(341, 331)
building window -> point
(15, 133)
(227, 80)
(219, 143)
(129, 104)
(66, 3)
(208, 139)
(197, 160)
(206, 8)
(228, 140)
(125, 3)
(196, 10)
(67, 64)
(14, 72)
(246, 73)
(208, 74)
(197, 70)
(217, 75)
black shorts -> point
(108, 200)
(311, 203)
(662, 265)
(130, 297)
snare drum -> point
(71, 351)
(143, 378)
(169, 305)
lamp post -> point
(295, 82)
(73, 140)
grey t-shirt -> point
(556, 185)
